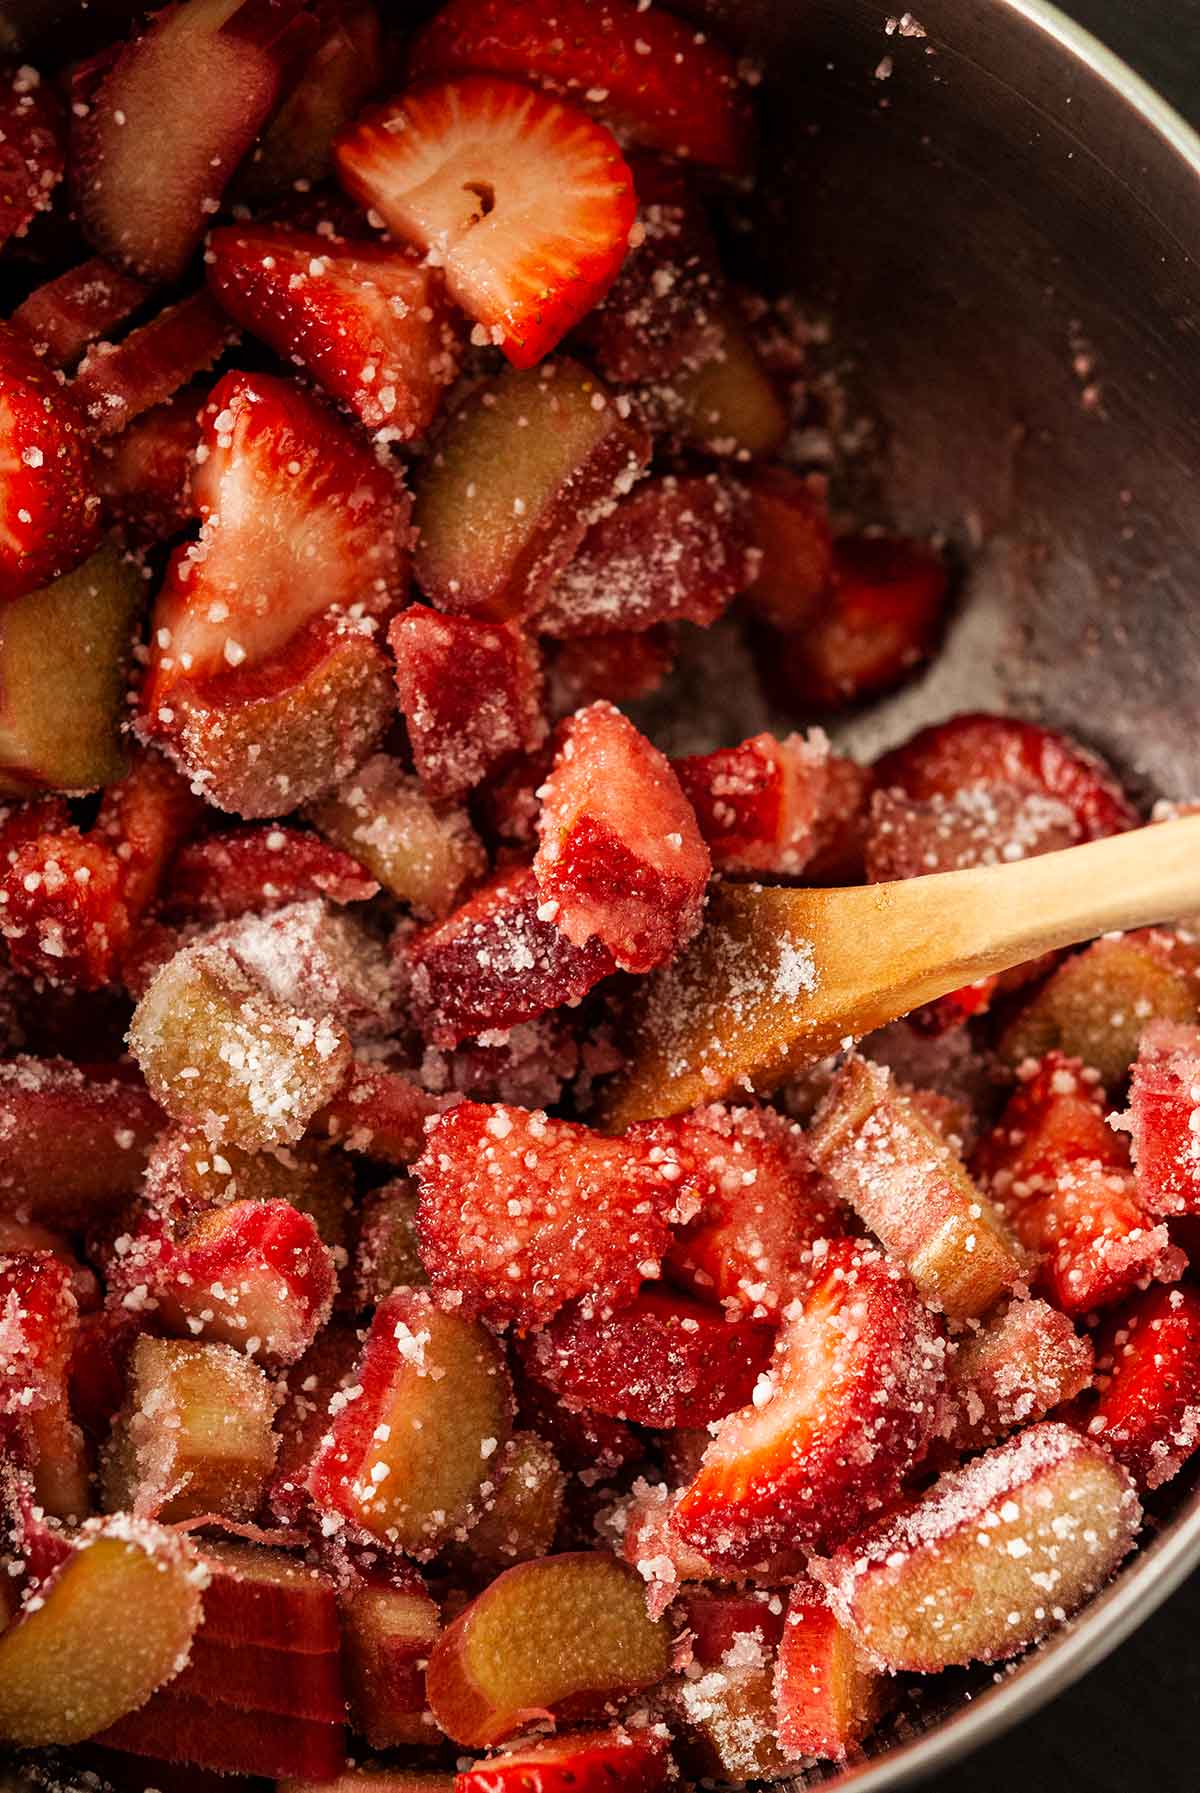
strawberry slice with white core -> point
(526, 203)
(49, 508)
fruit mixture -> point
(375, 428)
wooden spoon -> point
(778, 978)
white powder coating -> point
(319, 963)
(795, 971)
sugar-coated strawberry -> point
(589, 1441)
(980, 824)
(1164, 1095)
(574, 1762)
(470, 693)
(118, 382)
(1148, 1375)
(49, 508)
(32, 148)
(73, 1143)
(528, 1065)
(656, 80)
(827, 1698)
(754, 1205)
(789, 525)
(369, 321)
(766, 805)
(663, 1360)
(620, 668)
(497, 961)
(38, 1319)
(1062, 1177)
(835, 1423)
(144, 475)
(523, 1214)
(253, 870)
(620, 854)
(67, 314)
(63, 916)
(676, 550)
(526, 202)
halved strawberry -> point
(32, 148)
(1148, 1374)
(834, 1425)
(74, 309)
(636, 1761)
(1164, 1096)
(658, 81)
(368, 320)
(49, 507)
(116, 382)
(144, 475)
(253, 870)
(526, 203)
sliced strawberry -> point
(526, 203)
(655, 79)
(144, 475)
(841, 823)
(789, 525)
(526, 1066)
(470, 693)
(75, 309)
(368, 321)
(118, 382)
(497, 961)
(668, 1564)
(574, 1762)
(835, 1424)
(1148, 1374)
(63, 913)
(254, 870)
(49, 508)
(523, 1214)
(73, 1144)
(827, 1698)
(620, 855)
(143, 818)
(32, 148)
(763, 806)
(1164, 1095)
(620, 668)
(664, 1360)
(981, 824)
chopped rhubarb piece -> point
(64, 658)
(1025, 1359)
(522, 1214)
(568, 1634)
(757, 1205)
(976, 748)
(841, 823)
(390, 1624)
(663, 1360)
(318, 962)
(144, 475)
(826, 1698)
(1164, 1095)
(726, 1718)
(1095, 1005)
(103, 1346)
(835, 1423)
(470, 693)
(990, 1559)
(764, 805)
(222, 1055)
(232, 60)
(369, 321)
(527, 203)
(1148, 1363)
(714, 1621)
(522, 470)
(195, 1436)
(423, 854)
(38, 1320)
(73, 1144)
(655, 80)
(284, 1683)
(378, 1113)
(327, 1369)
(32, 148)
(789, 525)
(50, 510)
(1062, 1178)
(497, 961)
(722, 401)
(174, 1728)
(62, 913)
(523, 1511)
(118, 382)
(258, 1598)
(255, 870)
(386, 1257)
(909, 1186)
(621, 668)
(186, 1177)
(74, 309)
(620, 854)
(407, 1459)
(113, 1624)
(143, 819)
(676, 550)
(574, 1762)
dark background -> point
(1133, 1724)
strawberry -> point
(116, 383)
(655, 79)
(63, 913)
(38, 1318)
(49, 508)
(620, 668)
(253, 870)
(368, 321)
(379, 1113)
(144, 475)
(327, 1369)
(1163, 1096)
(74, 309)
(523, 1214)
(766, 805)
(1148, 1375)
(143, 819)
(574, 1762)
(32, 148)
(835, 1424)
(525, 202)
(789, 525)
(581, 1440)
(716, 1620)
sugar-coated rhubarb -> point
(187, 1177)
(119, 382)
(252, 870)
(721, 401)
(38, 1321)
(1164, 1094)
(715, 1620)
(327, 1369)
(911, 1188)
(990, 1559)
(527, 203)
(283, 1683)
(261, 1598)
(566, 1633)
(32, 148)
(386, 1255)
(49, 510)
(726, 1717)
(470, 693)
(65, 315)
(375, 1780)
(73, 1144)
(176, 1728)
(390, 1623)
(114, 1623)
(521, 1214)
(619, 855)
(635, 1760)
(405, 1462)
(318, 961)
(195, 1436)
(1025, 1359)
(379, 1113)
(1148, 1375)
(827, 1699)
(523, 1511)
(834, 1424)
(789, 525)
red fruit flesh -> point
(144, 475)
(326, 1369)
(826, 1698)
(619, 851)
(258, 1598)
(1148, 1363)
(378, 1113)
(174, 1728)
(389, 1626)
(116, 383)
(1163, 1098)
(32, 148)
(574, 1762)
(621, 668)
(1024, 1360)
(50, 510)
(789, 525)
(255, 870)
(523, 1214)
(655, 80)
(836, 1423)
(664, 1360)
(38, 1321)
(73, 1144)
(715, 1621)
(64, 918)
(763, 806)
(527, 203)
(72, 311)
